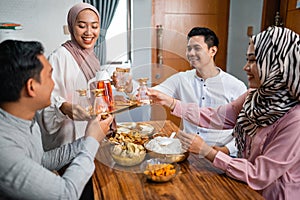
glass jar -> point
(100, 105)
(107, 92)
(84, 101)
(142, 97)
(122, 78)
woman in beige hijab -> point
(74, 64)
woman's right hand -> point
(74, 111)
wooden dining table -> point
(197, 179)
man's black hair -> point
(18, 63)
(210, 38)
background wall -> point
(243, 13)
(42, 20)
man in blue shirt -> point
(25, 168)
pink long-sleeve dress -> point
(271, 163)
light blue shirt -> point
(25, 169)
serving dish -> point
(128, 154)
(170, 158)
(128, 125)
(141, 127)
(170, 153)
(159, 171)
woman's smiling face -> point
(86, 28)
(251, 67)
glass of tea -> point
(105, 85)
(100, 105)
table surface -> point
(197, 179)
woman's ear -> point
(30, 87)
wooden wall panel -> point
(292, 20)
(192, 6)
(177, 18)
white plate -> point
(128, 125)
(145, 128)
(123, 130)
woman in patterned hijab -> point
(266, 119)
(277, 60)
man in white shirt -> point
(205, 84)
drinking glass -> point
(122, 78)
(100, 105)
(142, 97)
(84, 101)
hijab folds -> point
(85, 58)
(277, 52)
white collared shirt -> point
(212, 92)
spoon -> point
(167, 141)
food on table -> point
(128, 154)
(141, 127)
(160, 172)
(157, 145)
(131, 137)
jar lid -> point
(82, 92)
(98, 92)
(118, 69)
(143, 80)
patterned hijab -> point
(85, 58)
(277, 52)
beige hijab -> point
(85, 58)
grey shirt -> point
(25, 169)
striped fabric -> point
(278, 60)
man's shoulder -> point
(185, 74)
(180, 76)
(227, 76)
